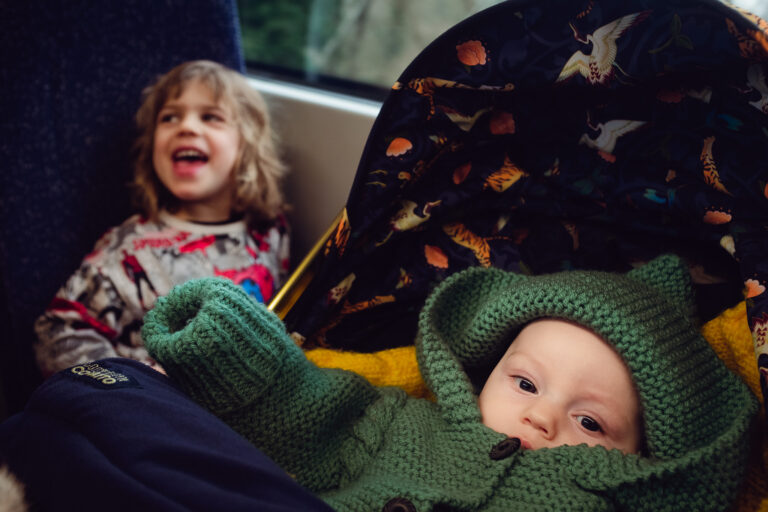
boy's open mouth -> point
(189, 155)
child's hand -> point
(156, 366)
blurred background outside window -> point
(355, 46)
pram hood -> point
(499, 147)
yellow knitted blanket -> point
(728, 334)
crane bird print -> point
(597, 67)
(610, 131)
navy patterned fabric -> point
(545, 135)
(70, 82)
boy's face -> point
(196, 145)
(560, 384)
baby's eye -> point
(589, 424)
(525, 384)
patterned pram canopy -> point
(544, 135)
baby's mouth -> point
(189, 155)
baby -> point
(560, 384)
(571, 391)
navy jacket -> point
(116, 435)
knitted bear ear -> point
(463, 312)
(669, 275)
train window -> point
(759, 7)
(354, 46)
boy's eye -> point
(589, 424)
(212, 117)
(167, 118)
(525, 384)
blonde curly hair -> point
(258, 170)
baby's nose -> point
(543, 418)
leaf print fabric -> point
(544, 136)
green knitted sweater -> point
(361, 448)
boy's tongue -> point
(187, 168)
(188, 161)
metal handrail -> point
(290, 292)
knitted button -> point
(399, 505)
(505, 448)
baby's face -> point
(560, 384)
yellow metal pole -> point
(287, 296)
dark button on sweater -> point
(505, 448)
(399, 505)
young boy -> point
(596, 392)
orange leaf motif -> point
(670, 96)
(435, 256)
(341, 237)
(502, 122)
(762, 39)
(460, 173)
(717, 217)
(471, 53)
(754, 288)
(399, 146)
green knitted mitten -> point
(222, 347)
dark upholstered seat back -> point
(71, 74)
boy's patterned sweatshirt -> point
(98, 313)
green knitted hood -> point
(696, 412)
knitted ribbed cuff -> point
(221, 346)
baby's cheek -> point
(485, 418)
(496, 423)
